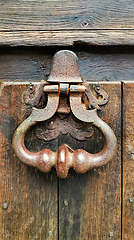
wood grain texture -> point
(33, 64)
(60, 22)
(61, 14)
(31, 195)
(90, 204)
(67, 38)
(128, 161)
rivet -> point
(111, 234)
(31, 85)
(131, 200)
(65, 203)
(97, 86)
(5, 205)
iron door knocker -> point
(64, 113)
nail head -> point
(110, 234)
(50, 233)
(65, 203)
(131, 200)
(5, 205)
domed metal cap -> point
(65, 68)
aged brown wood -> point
(90, 204)
(52, 15)
(47, 23)
(39, 206)
(128, 161)
(28, 198)
(28, 64)
(67, 38)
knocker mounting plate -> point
(69, 107)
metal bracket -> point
(70, 105)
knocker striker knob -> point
(64, 113)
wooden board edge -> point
(128, 166)
(67, 38)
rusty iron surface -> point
(65, 112)
(93, 101)
(65, 68)
(68, 124)
(34, 102)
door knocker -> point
(64, 113)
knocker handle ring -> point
(66, 84)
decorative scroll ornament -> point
(69, 107)
(68, 124)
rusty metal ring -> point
(83, 161)
(65, 157)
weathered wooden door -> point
(98, 204)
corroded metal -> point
(34, 102)
(93, 101)
(65, 68)
(68, 124)
(64, 113)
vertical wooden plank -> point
(128, 161)
(28, 198)
(90, 204)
